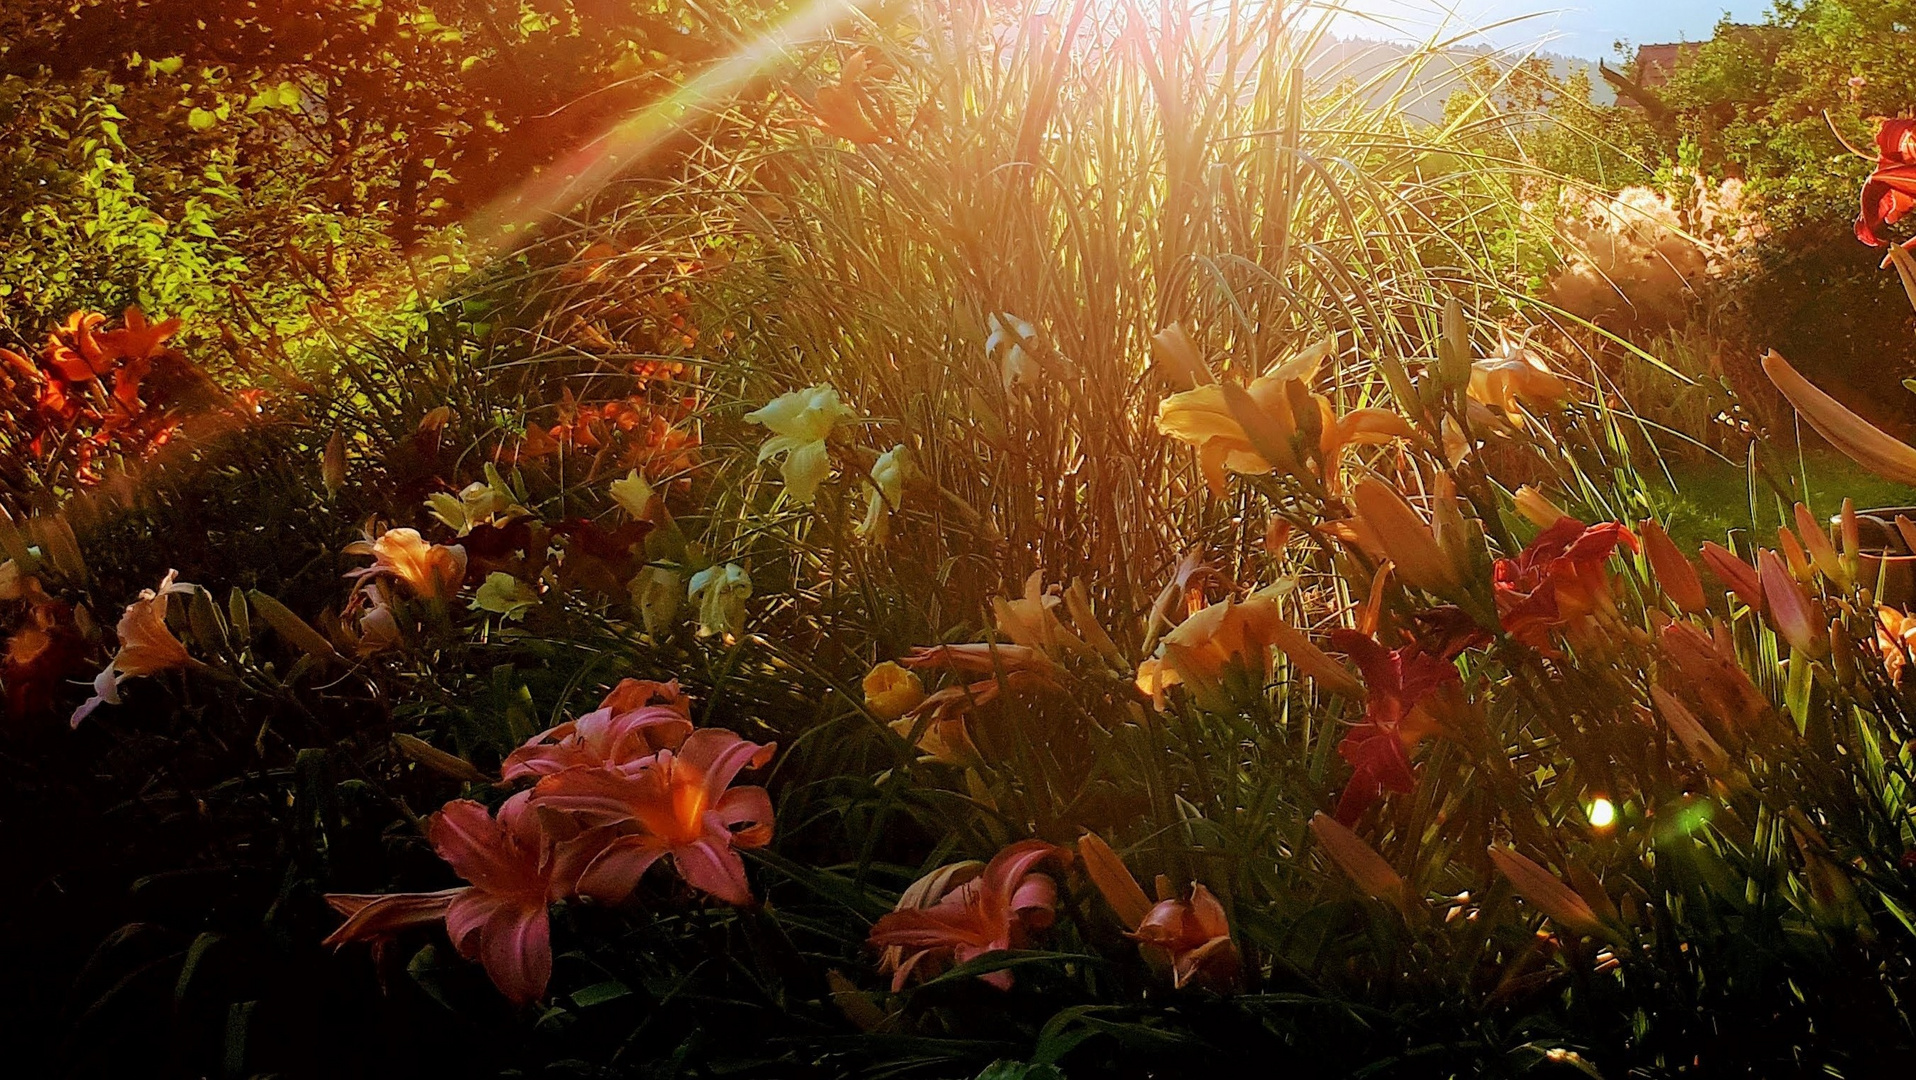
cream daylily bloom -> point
(720, 592)
(632, 494)
(888, 490)
(800, 422)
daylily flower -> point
(482, 502)
(1890, 191)
(1822, 553)
(1359, 860)
(1674, 573)
(505, 596)
(500, 918)
(892, 691)
(1550, 896)
(636, 720)
(1005, 341)
(1516, 375)
(430, 571)
(1558, 580)
(846, 109)
(1191, 938)
(1032, 620)
(1863, 442)
(1396, 681)
(680, 804)
(1537, 508)
(1795, 616)
(632, 494)
(1895, 640)
(888, 491)
(147, 646)
(1212, 419)
(969, 915)
(377, 628)
(1237, 636)
(720, 592)
(800, 422)
(1194, 938)
(1016, 667)
(656, 592)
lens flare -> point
(1603, 813)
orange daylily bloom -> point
(1193, 937)
(679, 803)
(1558, 581)
(847, 108)
(967, 913)
(147, 646)
(892, 691)
(1895, 640)
(430, 571)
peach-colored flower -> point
(1675, 574)
(636, 720)
(1233, 635)
(680, 803)
(1796, 617)
(969, 915)
(1193, 937)
(1513, 376)
(147, 646)
(499, 919)
(1895, 640)
(429, 571)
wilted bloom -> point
(1397, 681)
(800, 422)
(1237, 636)
(720, 592)
(500, 918)
(847, 109)
(681, 803)
(970, 915)
(1796, 617)
(1675, 575)
(892, 691)
(147, 646)
(1006, 341)
(656, 592)
(634, 722)
(888, 491)
(1890, 191)
(1516, 375)
(430, 571)
(1558, 580)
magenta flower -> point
(636, 720)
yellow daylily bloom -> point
(1537, 508)
(800, 422)
(1240, 634)
(1516, 375)
(891, 691)
(720, 592)
(888, 491)
(431, 571)
(632, 494)
(1388, 522)
(1203, 419)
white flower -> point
(1006, 344)
(799, 422)
(720, 593)
(888, 490)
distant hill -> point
(1433, 80)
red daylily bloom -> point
(1194, 937)
(994, 910)
(636, 720)
(680, 803)
(1890, 191)
(500, 918)
(1397, 681)
(1558, 580)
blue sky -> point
(1575, 27)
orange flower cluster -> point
(93, 390)
(622, 434)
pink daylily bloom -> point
(994, 910)
(679, 803)
(635, 721)
(499, 919)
